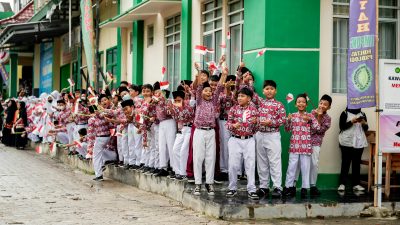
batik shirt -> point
(206, 110)
(148, 110)
(91, 133)
(300, 141)
(163, 113)
(182, 115)
(270, 109)
(80, 118)
(247, 117)
(318, 135)
(226, 102)
(64, 118)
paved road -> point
(37, 190)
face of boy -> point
(324, 106)
(61, 106)
(133, 93)
(207, 93)
(127, 110)
(178, 100)
(77, 95)
(243, 99)
(213, 85)
(247, 77)
(203, 78)
(115, 100)
(269, 92)
(301, 104)
(105, 102)
(146, 93)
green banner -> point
(88, 38)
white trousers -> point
(82, 150)
(146, 152)
(313, 166)
(63, 138)
(154, 154)
(181, 150)
(242, 150)
(70, 132)
(77, 128)
(204, 150)
(224, 136)
(101, 154)
(123, 146)
(294, 160)
(166, 139)
(135, 146)
(269, 160)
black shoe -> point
(151, 171)
(289, 192)
(210, 189)
(111, 162)
(162, 173)
(276, 193)
(172, 176)
(127, 167)
(156, 171)
(100, 178)
(242, 177)
(178, 177)
(314, 191)
(231, 194)
(253, 196)
(262, 192)
(190, 179)
(303, 193)
(103, 168)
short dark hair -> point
(301, 96)
(269, 83)
(128, 102)
(82, 131)
(156, 86)
(327, 98)
(102, 96)
(214, 78)
(135, 88)
(61, 101)
(206, 72)
(148, 86)
(246, 91)
(124, 82)
(206, 85)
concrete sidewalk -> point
(329, 204)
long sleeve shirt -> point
(63, 119)
(163, 113)
(300, 140)
(80, 118)
(183, 115)
(270, 109)
(91, 133)
(226, 102)
(148, 111)
(318, 135)
(246, 116)
(206, 109)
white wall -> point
(128, 63)
(330, 157)
(125, 5)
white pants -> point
(304, 166)
(181, 150)
(135, 146)
(166, 139)
(269, 160)
(101, 154)
(146, 152)
(313, 166)
(70, 132)
(82, 150)
(154, 154)
(77, 128)
(63, 138)
(123, 151)
(242, 150)
(204, 150)
(224, 136)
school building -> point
(305, 42)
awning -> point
(34, 32)
(141, 11)
(21, 17)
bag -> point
(359, 138)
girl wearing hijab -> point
(352, 141)
(9, 138)
(20, 124)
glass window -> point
(388, 23)
(150, 35)
(111, 61)
(173, 45)
(235, 13)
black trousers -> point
(20, 142)
(350, 156)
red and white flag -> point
(246, 115)
(71, 82)
(78, 144)
(212, 65)
(163, 70)
(39, 149)
(91, 91)
(260, 53)
(223, 46)
(139, 118)
(53, 147)
(112, 132)
(289, 97)
(202, 50)
(89, 155)
(110, 76)
(228, 35)
(164, 85)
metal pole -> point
(97, 42)
(378, 150)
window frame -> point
(175, 43)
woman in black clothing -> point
(20, 124)
(9, 138)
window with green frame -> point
(111, 60)
(75, 73)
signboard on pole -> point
(389, 102)
(88, 38)
(361, 55)
(46, 67)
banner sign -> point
(361, 55)
(389, 136)
(88, 37)
(389, 85)
(4, 73)
(46, 68)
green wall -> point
(290, 31)
(186, 40)
(137, 55)
(13, 76)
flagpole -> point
(378, 151)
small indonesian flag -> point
(202, 50)
(260, 53)
(76, 109)
(164, 85)
(289, 97)
(308, 98)
(109, 75)
(89, 155)
(211, 65)
(93, 100)
(114, 93)
(78, 144)
(71, 82)
(91, 91)
(223, 46)
(246, 116)
(163, 70)
(39, 149)
(53, 147)
(139, 118)
(228, 35)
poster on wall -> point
(361, 55)
(46, 67)
(389, 136)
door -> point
(64, 76)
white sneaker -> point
(341, 187)
(358, 188)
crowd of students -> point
(217, 124)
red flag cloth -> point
(289, 97)
(164, 85)
(228, 35)
(260, 53)
(199, 49)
